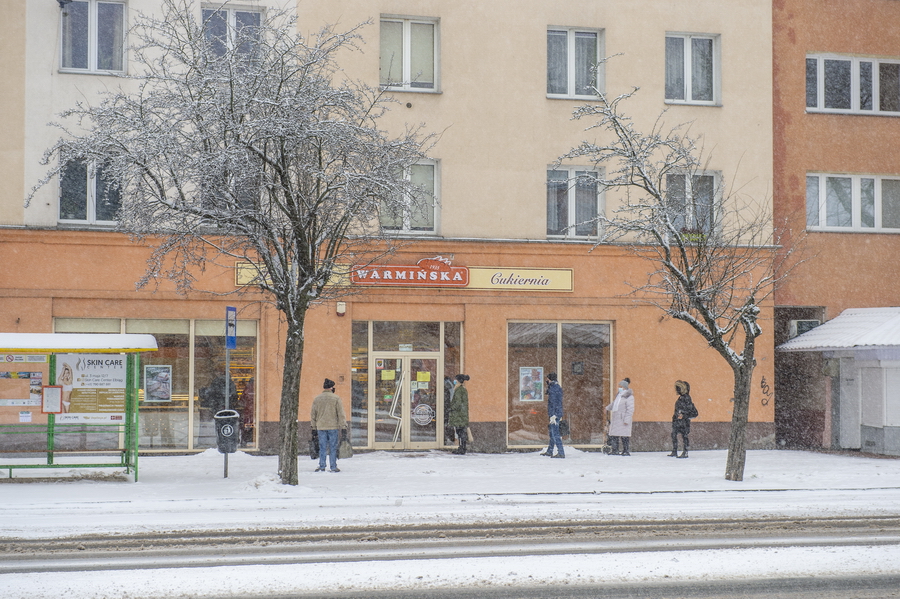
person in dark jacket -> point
(555, 412)
(459, 412)
(681, 419)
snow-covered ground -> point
(191, 493)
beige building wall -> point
(12, 111)
(498, 129)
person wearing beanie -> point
(555, 412)
(621, 413)
(327, 419)
(459, 412)
(681, 419)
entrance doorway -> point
(407, 400)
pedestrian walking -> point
(555, 413)
(327, 418)
(621, 414)
(459, 412)
(681, 419)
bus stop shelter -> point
(71, 399)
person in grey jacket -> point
(327, 417)
(621, 414)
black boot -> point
(674, 453)
(683, 454)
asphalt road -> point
(349, 544)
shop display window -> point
(182, 383)
(580, 355)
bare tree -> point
(713, 255)
(247, 143)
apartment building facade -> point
(499, 277)
(837, 189)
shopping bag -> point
(345, 450)
(314, 446)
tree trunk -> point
(290, 398)
(737, 450)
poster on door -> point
(93, 387)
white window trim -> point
(93, 41)
(688, 57)
(406, 229)
(570, 66)
(91, 201)
(856, 204)
(406, 84)
(854, 85)
(571, 227)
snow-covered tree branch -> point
(249, 145)
(713, 253)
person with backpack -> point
(681, 419)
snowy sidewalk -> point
(190, 492)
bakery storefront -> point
(402, 370)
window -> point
(409, 54)
(572, 203)
(692, 69)
(853, 202)
(231, 29)
(690, 200)
(580, 354)
(93, 36)
(572, 62)
(86, 196)
(845, 84)
(418, 213)
(192, 354)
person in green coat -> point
(459, 412)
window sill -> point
(868, 231)
(591, 98)
(87, 72)
(684, 103)
(413, 90)
(851, 112)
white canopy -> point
(856, 329)
(63, 343)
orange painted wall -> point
(842, 270)
(85, 274)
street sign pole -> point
(230, 344)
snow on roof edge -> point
(17, 343)
(854, 328)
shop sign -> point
(428, 272)
(521, 279)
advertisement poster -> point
(157, 384)
(531, 383)
(93, 387)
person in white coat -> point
(621, 413)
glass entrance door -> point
(407, 404)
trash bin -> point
(228, 432)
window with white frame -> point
(409, 54)
(86, 196)
(92, 36)
(231, 29)
(417, 213)
(573, 200)
(573, 56)
(850, 84)
(692, 68)
(852, 202)
(691, 199)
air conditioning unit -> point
(798, 327)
